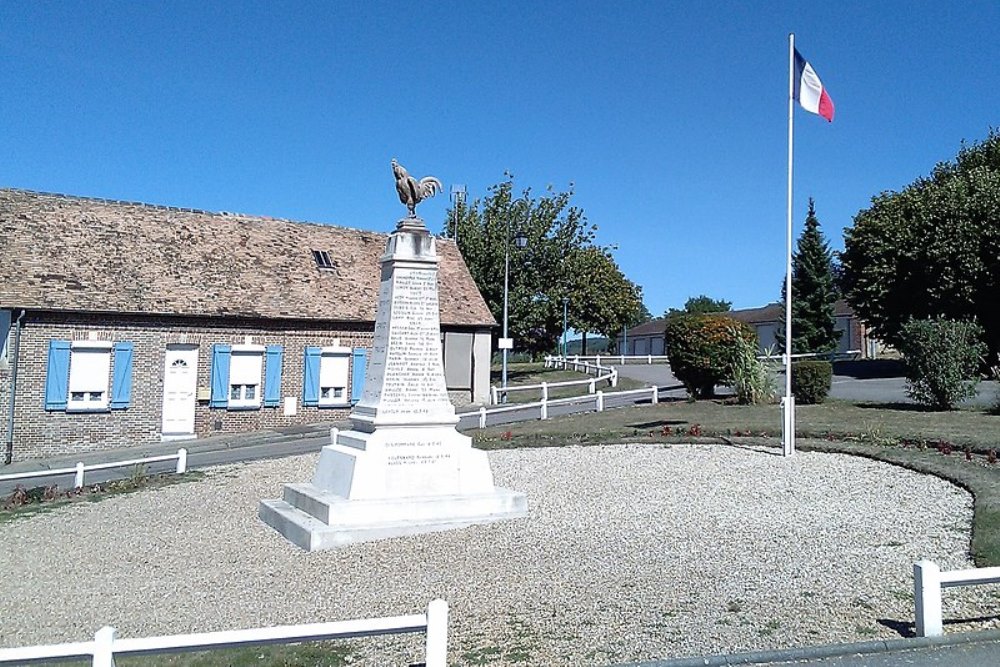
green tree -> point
(699, 305)
(558, 261)
(602, 300)
(932, 249)
(814, 292)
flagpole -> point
(788, 403)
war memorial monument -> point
(403, 468)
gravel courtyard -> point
(629, 553)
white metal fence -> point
(105, 646)
(598, 398)
(602, 374)
(79, 470)
(620, 359)
(928, 580)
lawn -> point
(535, 373)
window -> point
(323, 260)
(244, 376)
(236, 376)
(80, 376)
(4, 335)
(333, 376)
(333, 368)
(89, 375)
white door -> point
(180, 380)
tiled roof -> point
(93, 255)
(772, 312)
(654, 327)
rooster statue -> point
(411, 191)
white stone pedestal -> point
(403, 468)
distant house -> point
(125, 323)
(648, 338)
(768, 320)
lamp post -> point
(521, 241)
(565, 313)
(458, 198)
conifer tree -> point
(814, 292)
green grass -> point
(138, 481)
(536, 373)
(319, 654)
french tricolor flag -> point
(809, 91)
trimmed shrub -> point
(942, 360)
(702, 350)
(811, 381)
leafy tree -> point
(814, 292)
(701, 304)
(559, 261)
(932, 249)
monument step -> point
(363, 521)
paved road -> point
(854, 382)
(981, 654)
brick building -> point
(125, 323)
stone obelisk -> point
(403, 468)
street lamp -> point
(521, 241)
(458, 198)
(565, 312)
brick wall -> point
(40, 433)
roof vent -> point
(323, 260)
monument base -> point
(315, 519)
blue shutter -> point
(121, 381)
(357, 374)
(310, 377)
(57, 375)
(272, 376)
(220, 376)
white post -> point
(493, 396)
(437, 634)
(545, 391)
(482, 417)
(788, 418)
(78, 482)
(788, 425)
(656, 395)
(598, 362)
(623, 360)
(104, 641)
(600, 401)
(649, 359)
(182, 461)
(334, 435)
(614, 377)
(545, 409)
(927, 599)
(591, 386)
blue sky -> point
(670, 118)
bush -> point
(702, 350)
(942, 360)
(752, 379)
(811, 381)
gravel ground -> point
(629, 553)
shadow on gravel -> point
(907, 629)
(902, 628)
